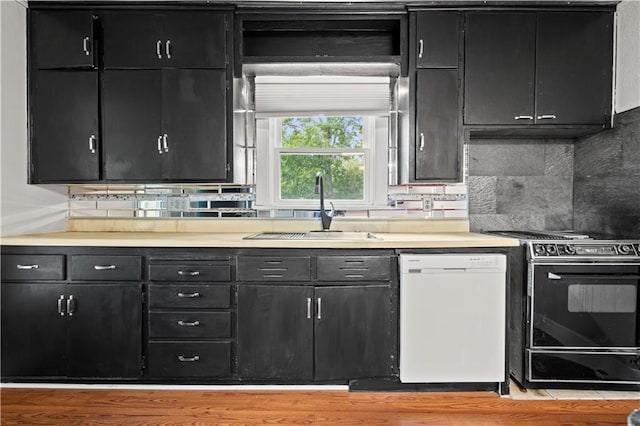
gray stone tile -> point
(534, 195)
(625, 226)
(558, 222)
(598, 156)
(506, 158)
(558, 159)
(482, 194)
(613, 195)
(627, 117)
(505, 222)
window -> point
(349, 147)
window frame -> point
(268, 168)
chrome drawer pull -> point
(421, 142)
(308, 308)
(71, 304)
(420, 48)
(188, 273)
(92, 144)
(160, 151)
(104, 267)
(61, 305)
(272, 276)
(354, 276)
(547, 117)
(158, 47)
(188, 323)
(319, 308)
(193, 358)
(27, 267)
(168, 49)
(188, 295)
(523, 117)
(165, 144)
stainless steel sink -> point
(313, 235)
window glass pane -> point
(323, 132)
(343, 176)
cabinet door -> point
(133, 40)
(195, 40)
(574, 66)
(437, 143)
(132, 125)
(194, 122)
(33, 331)
(105, 330)
(64, 135)
(275, 332)
(437, 39)
(499, 68)
(353, 332)
(62, 39)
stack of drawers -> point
(190, 316)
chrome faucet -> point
(326, 218)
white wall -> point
(628, 56)
(23, 208)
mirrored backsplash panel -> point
(206, 201)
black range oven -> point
(574, 320)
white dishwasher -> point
(452, 318)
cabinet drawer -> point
(189, 359)
(189, 296)
(273, 268)
(189, 324)
(106, 268)
(29, 267)
(354, 268)
(189, 272)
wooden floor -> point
(198, 407)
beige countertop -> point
(390, 240)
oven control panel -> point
(584, 249)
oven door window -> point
(585, 306)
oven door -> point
(585, 306)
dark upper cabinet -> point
(64, 127)
(62, 38)
(499, 68)
(574, 61)
(437, 39)
(164, 40)
(435, 147)
(538, 68)
(165, 125)
(437, 141)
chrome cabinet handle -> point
(165, 143)
(188, 295)
(168, 49)
(188, 323)
(27, 267)
(421, 142)
(523, 117)
(193, 358)
(92, 144)
(420, 49)
(547, 117)
(85, 46)
(188, 273)
(158, 47)
(319, 308)
(71, 304)
(308, 308)
(103, 267)
(160, 145)
(61, 305)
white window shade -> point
(328, 95)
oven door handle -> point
(552, 276)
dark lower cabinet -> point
(353, 332)
(309, 333)
(73, 330)
(275, 332)
(34, 335)
(64, 127)
(105, 330)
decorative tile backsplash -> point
(225, 200)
